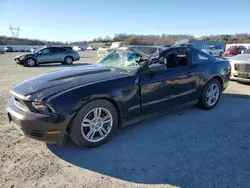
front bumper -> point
(38, 126)
(18, 61)
(236, 75)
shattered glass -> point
(124, 60)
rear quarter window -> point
(200, 57)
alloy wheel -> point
(31, 62)
(69, 60)
(212, 94)
(97, 124)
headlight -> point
(42, 108)
(22, 57)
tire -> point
(81, 133)
(221, 54)
(204, 101)
(210, 53)
(30, 62)
(68, 60)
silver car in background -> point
(64, 55)
(240, 65)
(213, 50)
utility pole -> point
(15, 32)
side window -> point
(67, 49)
(56, 50)
(45, 51)
(176, 59)
(199, 56)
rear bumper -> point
(38, 126)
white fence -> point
(22, 47)
(28, 47)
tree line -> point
(132, 39)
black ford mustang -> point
(91, 102)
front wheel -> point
(211, 95)
(94, 124)
(30, 63)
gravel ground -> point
(185, 148)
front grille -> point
(36, 133)
(242, 67)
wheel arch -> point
(105, 98)
(30, 57)
(219, 79)
(69, 56)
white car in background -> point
(33, 50)
(91, 48)
(240, 66)
(213, 50)
(101, 52)
(77, 48)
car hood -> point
(45, 85)
(18, 56)
(241, 58)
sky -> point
(77, 20)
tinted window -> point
(175, 59)
(232, 48)
(55, 50)
(67, 48)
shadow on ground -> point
(188, 148)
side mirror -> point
(157, 67)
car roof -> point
(143, 50)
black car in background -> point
(91, 102)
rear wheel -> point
(68, 60)
(211, 95)
(94, 124)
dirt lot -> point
(185, 148)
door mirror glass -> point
(157, 67)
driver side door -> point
(175, 85)
(155, 90)
(44, 56)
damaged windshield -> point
(122, 61)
